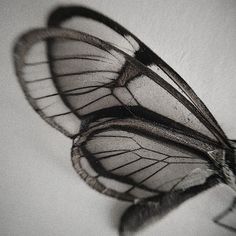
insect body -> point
(139, 131)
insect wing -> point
(98, 25)
(130, 159)
(87, 78)
(126, 150)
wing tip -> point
(63, 12)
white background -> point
(40, 193)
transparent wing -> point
(135, 129)
(86, 78)
(94, 23)
(65, 80)
(130, 159)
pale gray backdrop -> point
(40, 193)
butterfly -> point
(139, 131)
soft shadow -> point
(116, 212)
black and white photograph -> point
(118, 118)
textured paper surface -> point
(40, 192)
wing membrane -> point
(94, 23)
(68, 84)
(32, 69)
(146, 164)
(84, 78)
(70, 87)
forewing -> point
(94, 23)
(33, 72)
(86, 78)
(70, 83)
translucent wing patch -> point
(144, 164)
(86, 78)
(98, 25)
(32, 69)
(93, 23)
(67, 79)
(84, 74)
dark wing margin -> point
(33, 72)
(96, 24)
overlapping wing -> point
(98, 25)
(70, 82)
(79, 83)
